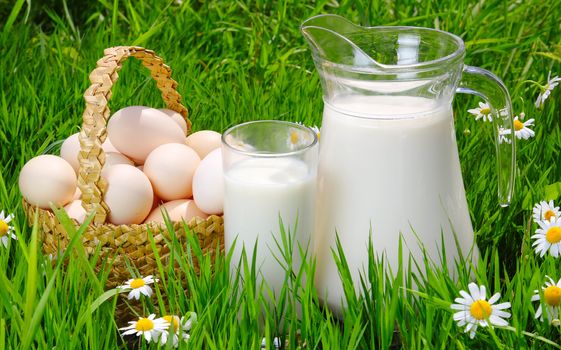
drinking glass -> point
(270, 178)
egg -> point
(107, 146)
(137, 130)
(114, 158)
(181, 209)
(129, 194)
(71, 147)
(156, 201)
(75, 211)
(69, 151)
(208, 184)
(177, 117)
(170, 168)
(204, 141)
(47, 179)
(77, 194)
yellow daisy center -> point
(480, 309)
(3, 228)
(553, 235)
(485, 110)
(518, 125)
(552, 295)
(549, 214)
(137, 283)
(144, 325)
(174, 323)
(294, 137)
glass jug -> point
(388, 164)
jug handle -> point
(489, 87)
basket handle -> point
(97, 113)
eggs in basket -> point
(150, 164)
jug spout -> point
(331, 39)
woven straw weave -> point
(120, 242)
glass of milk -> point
(270, 175)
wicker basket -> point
(127, 244)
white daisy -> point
(149, 327)
(475, 311)
(298, 139)
(139, 286)
(314, 128)
(545, 211)
(276, 343)
(546, 90)
(179, 327)
(552, 298)
(6, 231)
(521, 129)
(505, 135)
(484, 111)
(548, 237)
(238, 144)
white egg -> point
(129, 194)
(208, 184)
(137, 130)
(47, 179)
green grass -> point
(244, 60)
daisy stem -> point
(534, 336)
(495, 338)
(535, 83)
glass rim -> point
(392, 68)
(256, 154)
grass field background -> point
(237, 61)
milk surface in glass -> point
(257, 191)
(393, 162)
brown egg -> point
(129, 194)
(204, 142)
(69, 151)
(181, 209)
(137, 130)
(114, 158)
(47, 179)
(170, 169)
(208, 184)
(77, 194)
(71, 147)
(75, 211)
(178, 118)
(108, 146)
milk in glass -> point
(257, 191)
(362, 137)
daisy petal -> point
(497, 321)
(482, 292)
(501, 313)
(467, 297)
(501, 306)
(474, 291)
(494, 298)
